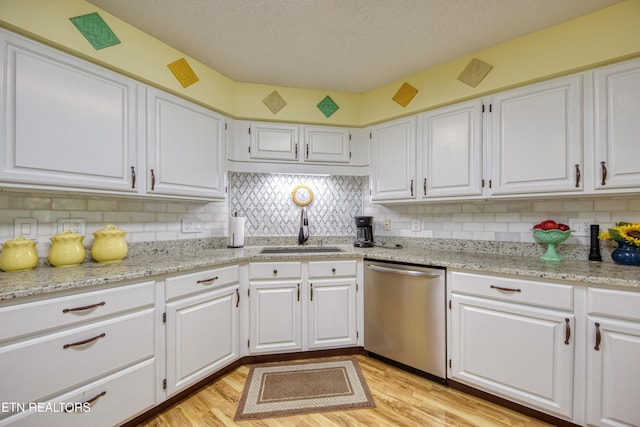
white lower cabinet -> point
(202, 325)
(613, 358)
(332, 304)
(275, 307)
(506, 342)
(90, 349)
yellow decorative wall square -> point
(405, 94)
(183, 72)
(274, 102)
(474, 72)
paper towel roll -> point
(236, 232)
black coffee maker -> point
(364, 232)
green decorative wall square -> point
(95, 30)
(327, 106)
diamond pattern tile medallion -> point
(183, 72)
(327, 106)
(95, 30)
(274, 102)
(405, 94)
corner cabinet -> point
(393, 160)
(202, 324)
(185, 148)
(513, 338)
(617, 147)
(613, 352)
(66, 123)
(536, 138)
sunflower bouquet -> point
(623, 232)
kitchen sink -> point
(300, 250)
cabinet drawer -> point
(613, 303)
(544, 294)
(334, 268)
(45, 315)
(187, 284)
(45, 365)
(114, 399)
(274, 270)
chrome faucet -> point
(303, 235)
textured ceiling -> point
(342, 45)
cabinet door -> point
(202, 336)
(65, 122)
(185, 148)
(393, 160)
(617, 148)
(274, 141)
(275, 317)
(452, 151)
(519, 353)
(613, 375)
(326, 144)
(332, 313)
(536, 138)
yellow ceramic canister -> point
(66, 249)
(18, 254)
(109, 244)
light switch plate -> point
(387, 224)
(27, 227)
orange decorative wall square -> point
(183, 72)
(405, 94)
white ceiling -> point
(341, 45)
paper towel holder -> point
(236, 231)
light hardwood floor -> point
(402, 399)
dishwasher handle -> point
(413, 273)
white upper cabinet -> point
(66, 124)
(274, 141)
(326, 144)
(185, 148)
(451, 146)
(393, 160)
(617, 126)
(536, 138)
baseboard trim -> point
(559, 422)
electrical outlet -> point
(192, 225)
(581, 226)
(415, 225)
(387, 224)
(27, 227)
(77, 225)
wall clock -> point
(302, 195)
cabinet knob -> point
(275, 272)
(333, 270)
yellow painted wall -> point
(604, 36)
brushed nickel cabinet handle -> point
(133, 177)
(598, 337)
(603, 167)
(577, 176)
(238, 298)
(86, 402)
(567, 330)
(153, 180)
(207, 281)
(83, 308)
(424, 187)
(499, 288)
(87, 341)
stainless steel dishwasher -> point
(404, 315)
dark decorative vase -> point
(626, 254)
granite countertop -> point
(44, 280)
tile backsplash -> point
(265, 200)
